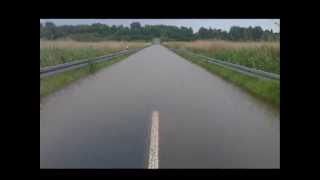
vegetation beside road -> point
(257, 55)
(58, 52)
(53, 83)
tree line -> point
(98, 31)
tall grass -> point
(53, 83)
(267, 90)
(109, 45)
(57, 52)
(62, 51)
(214, 46)
(259, 55)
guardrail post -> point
(91, 68)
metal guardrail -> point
(239, 68)
(51, 70)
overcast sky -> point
(224, 24)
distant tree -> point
(98, 31)
(41, 30)
(135, 25)
(50, 25)
(257, 33)
(203, 33)
(235, 33)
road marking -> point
(153, 162)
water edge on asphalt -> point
(103, 121)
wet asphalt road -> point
(103, 121)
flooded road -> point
(104, 121)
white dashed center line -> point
(153, 162)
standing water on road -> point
(205, 122)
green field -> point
(267, 90)
(264, 58)
(62, 51)
(53, 83)
(54, 56)
(259, 55)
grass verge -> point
(55, 56)
(264, 56)
(62, 51)
(267, 90)
(53, 83)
